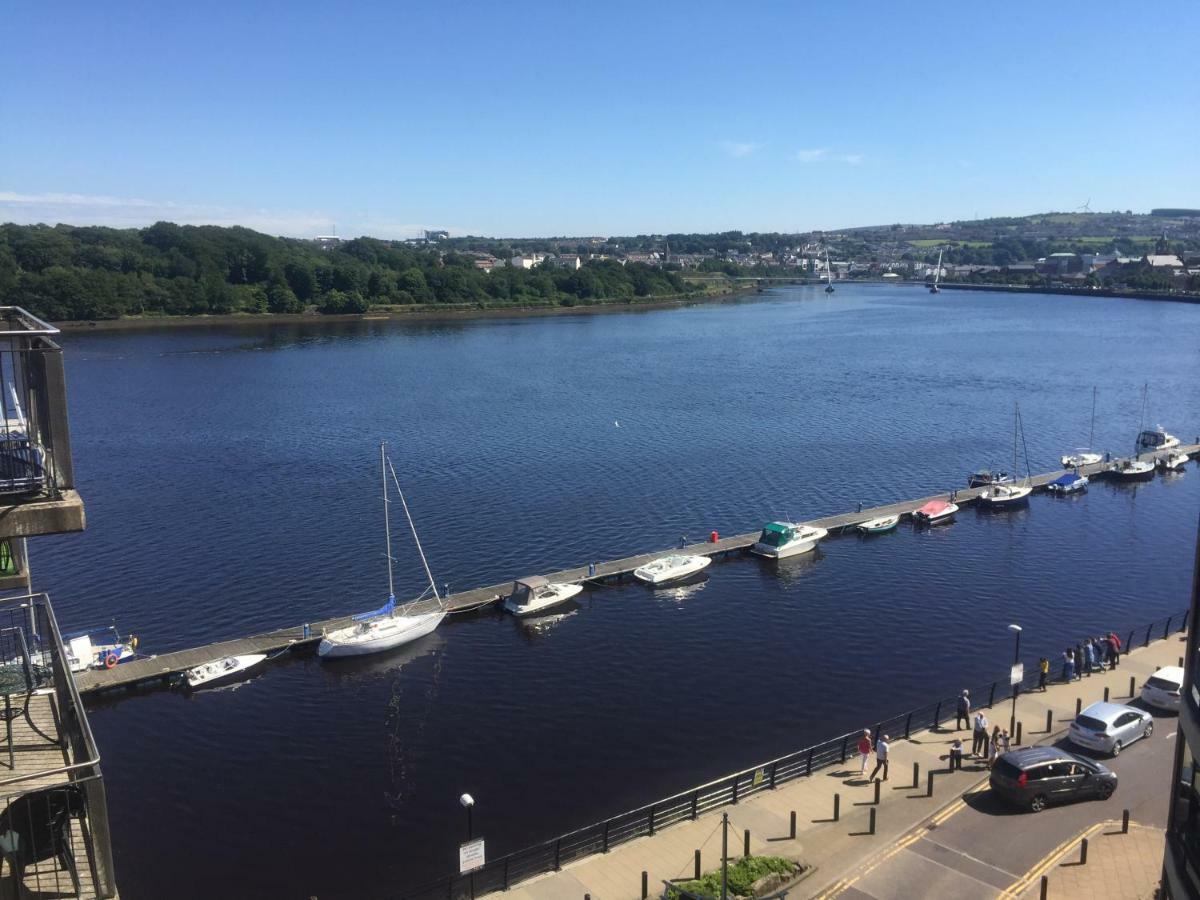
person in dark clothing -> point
(979, 735)
(956, 755)
(962, 718)
(1114, 649)
(881, 757)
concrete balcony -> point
(37, 477)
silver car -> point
(1162, 688)
(1110, 727)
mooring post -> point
(1125, 821)
(837, 807)
(871, 826)
(792, 830)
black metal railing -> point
(502, 873)
(35, 441)
(55, 816)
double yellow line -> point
(1048, 861)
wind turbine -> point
(1087, 207)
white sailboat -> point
(1085, 456)
(828, 274)
(1137, 469)
(933, 288)
(1001, 496)
(386, 627)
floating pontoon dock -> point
(161, 668)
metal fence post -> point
(1146, 643)
(605, 844)
(845, 744)
(810, 760)
(937, 715)
(1128, 643)
(735, 786)
(558, 855)
(773, 765)
(505, 877)
(992, 696)
(695, 804)
(907, 726)
(1167, 630)
(651, 821)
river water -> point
(231, 483)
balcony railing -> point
(53, 814)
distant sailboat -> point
(1085, 456)
(828, 274)
(1002, 496)
(933, 288)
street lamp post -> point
(1016, 687)
(468, 803)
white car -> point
(1161, 689)
(1110, 727)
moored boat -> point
(935, 512)
(1173, 460)
(1070, 483)
(99, 648)
(668, 569)
(221, 669)
(878, 525)
(1081, 457)
(533, 594)
(1156, 439)
(783, 539)
(986, 477)
(1133, 470)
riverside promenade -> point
(851, 862)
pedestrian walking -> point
(864, 751)
(1114, 648)
(956, 755)
(1068, 665)
(1043, 672)
(962, 718)
(979, 735)
(881, 758)
(994, 746)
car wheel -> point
(1106, 790)
(1038, 803)
(1116, 750)
(1149, 729)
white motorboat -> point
(878, 525)
(783, 539)
(219, 669)
(1133, 470)
(533, 594)
(1156, 439)
(935, 512)
(1070, 483)
(668, 569)
(1173, 460)
(99, 648)
(999, 496)
(1081, 457)
(387, 627)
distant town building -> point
(327, 241)
(437, 235)
(568, 261)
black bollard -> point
(878, 785)
(697, 865)
(792, 832)
(1125, 821)
(1045, 887)
(837, 807)
(1018, 734)
(916, 775)
(871, 826)
(1106, 695)
(645, 884)
(1078, 705)
(1131, 685)
(929, 792)
(746, 842)
(1049, 721)
(1083, 852)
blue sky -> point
(613, 118)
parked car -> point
(1035, 777)
(1161, 689)
(1110, 727)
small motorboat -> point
(986, 477)
(220, 669)
(935, 512)
(1156, 439)
(1081, 457)
(534, 594)
(1001, 496)
(783, 539)
(1070, 483)
(1173, 461)
(668, 569)
(99, 648)
(879, 525)
(1133, 470)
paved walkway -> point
(1119, 866)
(840, 850)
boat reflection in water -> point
(532, 627)
(796, 567)
(679, 591)
(380, 665)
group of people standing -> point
(1093, 654)
(983, 745)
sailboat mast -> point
(413, 529)
(1024, 445)
(387, 524)
(1016, 413)
(1092, 431)
(938, 272)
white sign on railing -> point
(1018, 674)
(470, 856)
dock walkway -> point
(163, 666)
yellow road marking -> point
(1048, 861)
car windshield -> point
(1161, 683)
(1091, 724)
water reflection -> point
(681, 590)
(532, 627)
(379, 665)
(793, 568)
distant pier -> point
(162, 667)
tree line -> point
(67, 272)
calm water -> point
(231, 485)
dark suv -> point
(1037, 776)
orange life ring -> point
(111, 661)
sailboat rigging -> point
(999, 496)
(933, 288)
(1084, 456)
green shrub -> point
(742, 874)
